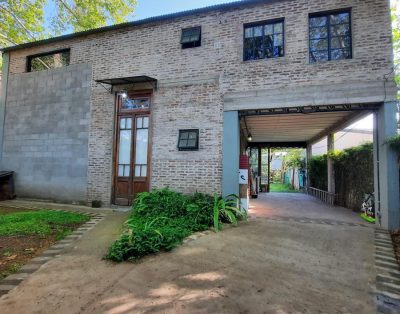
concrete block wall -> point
(154, 50)
(46, 133)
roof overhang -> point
(296, 126)
(155, 19)
(131, 80)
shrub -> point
(161, 219)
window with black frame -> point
(264, 40)
(188, 139)
(49, 60)
(191, 37)
(330, 36)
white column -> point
(230, 153)
(331, 170)
(386, 168)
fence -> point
(324, 196)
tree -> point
(24, 20)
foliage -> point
(353, 174)
(24, 20)
(294, 159)
(280, 187)
(40, 222)
(317, 170)
(394, 143)
(161, 219)
(396, 37)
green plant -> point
(394, 143)
(161, 219)
(226, 210)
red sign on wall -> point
(244, 162)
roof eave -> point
(156, 19)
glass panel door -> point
(124, 147)
(141, 146)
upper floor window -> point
(49, 60)
(330, 36)
(191, 37)
(264, 40)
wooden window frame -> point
(329, 36)
(44, 54)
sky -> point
(149, 8)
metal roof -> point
(156, 19)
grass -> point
(41, 222)
(280, 187)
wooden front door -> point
(132, 147)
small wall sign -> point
(243, 176)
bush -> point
(161, 219)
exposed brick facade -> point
(193, 82)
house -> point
(173, 100)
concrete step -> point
(387, 265)
(389, 287)
(388, 278)
(385, 258)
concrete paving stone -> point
(29, 268)
(6, 287)
(41, 259)
(17, 276)
(51, 252)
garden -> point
(160, 220)
(26, 233)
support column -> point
(331, 170)
(308, 157)
(3, 97)
(386, 168)
(230, 153)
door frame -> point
(133, 113)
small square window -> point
(188, 140)
(191, 37)
(49, 60)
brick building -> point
(106, 113)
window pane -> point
(129, 123)
(146, 122)
(144, 171)
(141, 146)
(318, 21)
(318, 56)
(258, 31)
(318, 44)
(340, 30)
(139, 123)
(269, 29)
(248, 49)
(278, 28)
(192, 135)
(191, 143)
(278, 40)
(183, 143)
(135, 103)
(125, 140)
(340, 18)
(338, 54)
(120, 170)
(137, 171)
(184, 135)
(340, 42)
(258, 48)
(127, 170)
(248, 32)
(190, 35)
(123, 123)
(318, 32)
(50, 61)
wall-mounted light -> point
(249, 137)
(123, 94)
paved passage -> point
(266, 265)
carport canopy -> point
(297, 127)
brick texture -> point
(194, 81)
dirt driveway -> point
(264, 266)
